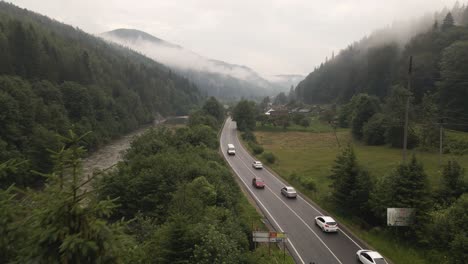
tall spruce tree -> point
(405, 187)
(453, 184)
(67, 221)
(448, 21)
(351, 183)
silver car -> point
(289, 192)
(257, 165)
(370, 257)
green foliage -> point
(374, 130)
(244, 113)
(449, 232)
(305, 122)
(350, 184)
(365, 107)
(405, 187)
(13, 235)
(200, 118)
(64, 223)
(456, 146)
(249, 136)
(269, 157)
(184, 200)
(448, 21)
(429, 132)
(214, 108)
(257, 149)
(453, 182)
(453, 71)
(53, 77)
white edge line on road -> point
(294, 212)
(307, 202)
(264, 207)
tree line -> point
(439, 223)
(439, 68)
(54, 77)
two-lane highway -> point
(306, 242)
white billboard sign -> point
(400, 216)
(265, 236)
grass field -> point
(311, 156)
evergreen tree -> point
(453, 182)
(448, 22)
(350, 184)
(66, 220)
(452, 87)
(406, 187)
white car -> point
(326, 223)
(257, 165)
(370, 257)
(289, 192)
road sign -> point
(270, 237)
(400, 216)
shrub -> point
(257, 149)
(456, 147)
(309, 184)
(269, 157)
(374, 130)
(249, 136)
(305, 122)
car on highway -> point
(370, 257)
(258, 183)
(231, 150)
(289, 192)
(257, 165)
(326, 223)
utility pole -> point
(405, 132)
(441, 133)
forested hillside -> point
(440, 65)
(213, 77)
(54, 77)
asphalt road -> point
(306, 242)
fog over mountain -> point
(286, 80)
(215, 78)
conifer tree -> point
(453, 184)
(351, 183)
(67, 220)
(448, 21)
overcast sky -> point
(270, 36)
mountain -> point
(213, 77)
(377, 63)
(54, 78)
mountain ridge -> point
(214, 77)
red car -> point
(258, 183)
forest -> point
(439, 69)
(54, 77)
(172, 199)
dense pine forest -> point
(439, 68)
(54, 77)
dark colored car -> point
(258, 183)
